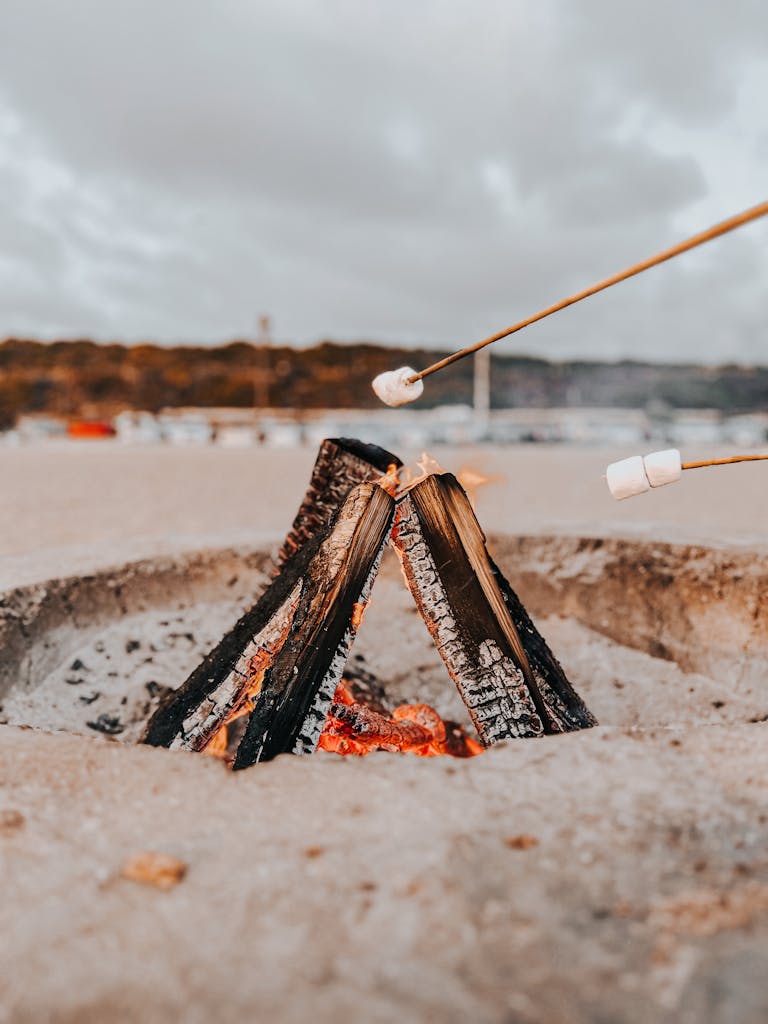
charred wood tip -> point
(341, 464)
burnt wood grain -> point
(266, 688)
(508, 678)
(341, 464)
(283, 659)
(291, 705)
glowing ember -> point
(218, 745)
(358, 611)
(353, 728)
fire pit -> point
(617, 871)
(95, 655)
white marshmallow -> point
(663, 467)
(627, 478)
(393, 388)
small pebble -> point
(521, 842)
(10, 820)
(160, 870)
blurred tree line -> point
(85, 379)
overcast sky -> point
(404, 171)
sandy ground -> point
(614, 875)
(70, 506)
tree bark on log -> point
(508, 678)
(283, 659)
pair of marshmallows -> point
(394, 387)
(640, 473)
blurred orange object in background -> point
(89, 429)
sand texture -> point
(619, 874)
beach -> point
(69, 506)
(614, 873)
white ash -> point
(113, 680)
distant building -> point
(30, 428)
(137, 428)
(186, 427)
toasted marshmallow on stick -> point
(394, 387)
(639, 474)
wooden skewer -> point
(705, 236)
(724, 462)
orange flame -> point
(471, 480)
(425, 466)
(391, 479)
(358, 611)
(255, 670)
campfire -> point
(275, 682)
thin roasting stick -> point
(724, 462)
(667, 254)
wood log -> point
(292, 704)
(508, 678)
(283, 659)
(565, 706)
(341, 464)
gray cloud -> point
(390, 171)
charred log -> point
(291, 706)
(507, 676)
(341, 464)
(564, 703)
(282, 660)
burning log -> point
(341, 464)
(283, 660)
(509, 679)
